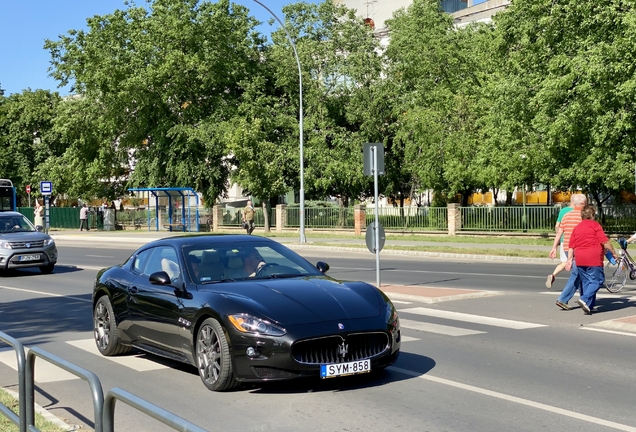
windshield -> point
(210, 263)
(11, 224)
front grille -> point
(340, 349)
(272, 373)
(22, 244)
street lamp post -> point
(300, 125)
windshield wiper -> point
(210, 282)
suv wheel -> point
(47, 269)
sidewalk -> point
(328, 243)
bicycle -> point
(616, 274)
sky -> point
(26, 24)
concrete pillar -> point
(281, 217)
(217, 218)
(454, 219)
(360, 219)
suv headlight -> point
(248, 324)
(5, 245)
(49, 242)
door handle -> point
(133, 290)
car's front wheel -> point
(47, 269)
(105, 329)
(213, 357)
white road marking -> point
(518, 400)
(608, 331)
(437, 328)
(137, 362)
(408, 339)
(42, 293)
(400, 302)
(45, 372)
(476, 319)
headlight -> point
(393, 320)
(49, 242)
(5, 245)
(248, 324)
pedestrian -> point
(38, 213)
(248, 217)
(563, 257)
(84, 218)
(587, 245)
(569, 221)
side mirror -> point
(322, 267)
(160, 278)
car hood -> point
(24, 236)
(305, 300)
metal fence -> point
(103, 409)
(531, 218)
(410, 218)
(538, 219)
(321, 217)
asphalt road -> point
(536, 367)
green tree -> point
(574, 63)
(28, 136)
(164, 77)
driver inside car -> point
(252, 262)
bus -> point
(7, 196)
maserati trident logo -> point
(343, 349)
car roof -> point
(194, 239)
(10, 213)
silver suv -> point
(23, 245)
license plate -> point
(342, 369)
(29, 257)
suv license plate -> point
(342, 369)
(29, 257)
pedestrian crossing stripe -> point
(45, 372)
(475, 319)
(138, 362)
(437, 328)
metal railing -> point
(103, 409)
(21, 418)
(165, 417)
(93, 382)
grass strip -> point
(7, 425)
(452, 250)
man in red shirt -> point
(588, 243)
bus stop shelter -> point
(183, 220)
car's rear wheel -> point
(213, 357)
(47, 269)
(105, 329)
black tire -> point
(213, 357)
(615, 276)
(47, 269)
(105, 329)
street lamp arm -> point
(300, 124)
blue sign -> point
(46, 187)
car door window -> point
(140, 261)
(163, 258)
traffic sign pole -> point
(376, 228)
